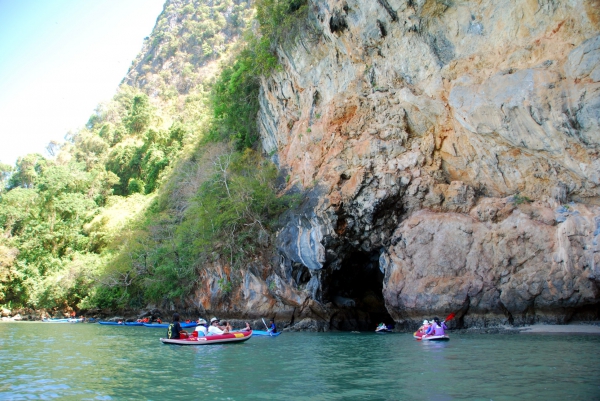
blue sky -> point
(58, 60)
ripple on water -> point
(99, 362)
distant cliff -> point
(450, 156)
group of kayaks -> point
(436, 334)
(151, 325)
(417, 335)
(238, 336)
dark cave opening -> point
(355, 292)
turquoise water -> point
(93, 362)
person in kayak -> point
(215, 329)
(423, 329)
(381, 327)
(272, 328)
(202, 328)
(436, 328)
(175, 329)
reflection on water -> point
(93, 362)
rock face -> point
(449, 152)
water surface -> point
(93, 362)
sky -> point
(58, 60)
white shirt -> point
(201, 331)
(214, 330)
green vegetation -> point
(519, 199)
(162, 181)
(235, 94)
(51, 253)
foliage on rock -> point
(132, 206)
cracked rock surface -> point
(449, 157)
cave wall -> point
(456, 143)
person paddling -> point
(441, 327)
(272, 328)
(436, 328)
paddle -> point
(267, 327)
(450, 317)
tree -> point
(53, 148)
(5, 172)
(140, 115)
(27, 171)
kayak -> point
(384, 329)
(435, 338)
(69, 320)
(209, 340)
(264, 333)
(122, 324)
(166, 325)
(431, 338)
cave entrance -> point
(356, 292)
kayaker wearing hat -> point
(215, 329)
(423, 329)
(202, 327)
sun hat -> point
(201, 321)
(214, 319)
(425, 321)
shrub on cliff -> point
(235, 93)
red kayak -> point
(208, 340)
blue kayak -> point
(69, 320)
(264, 333)
(166, 325)
(122, 323)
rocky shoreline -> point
(311, 325)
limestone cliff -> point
(449, 152)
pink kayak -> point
(208, 340)
(425, 337)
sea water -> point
(94, 362)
